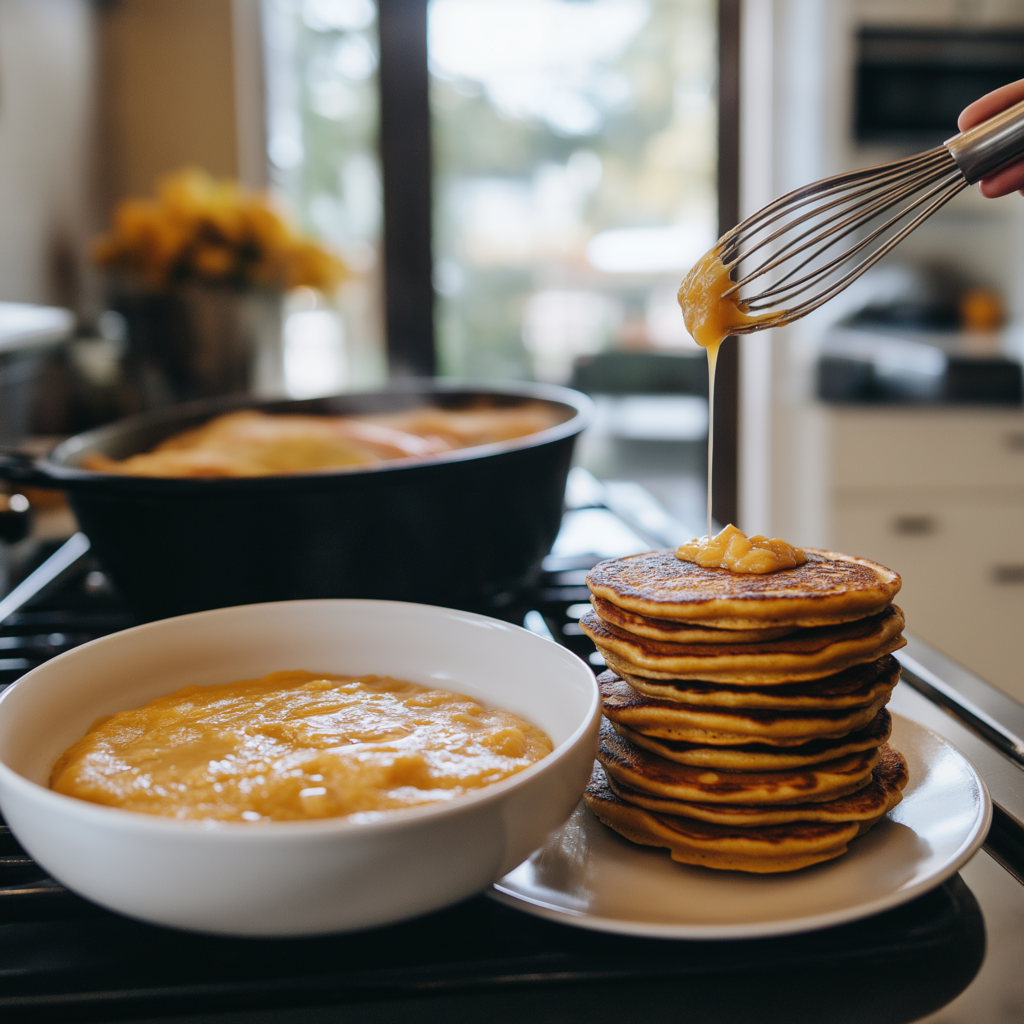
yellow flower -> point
(200, 229)
(212, 262)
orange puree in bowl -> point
(293, 746)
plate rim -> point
(789, 926)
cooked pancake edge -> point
(810, 654)
(856, 686)
(682, 632)
(726, 726)
(760, 758)
(829, 588)
(656, 776)
(697, 843)
(866, 803)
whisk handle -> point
(991, 145)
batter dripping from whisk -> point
(792, 237)
(710, 318)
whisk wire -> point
(786, 316)
(848, 223)
(838, 182)
(877, 178)
(801, 227)
(831, 238)
(790, 242)
(877, 181)
(811, 304)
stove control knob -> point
(15, 517)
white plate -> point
(589, 876)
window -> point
(574, 177)
(322, 134)
(574, 168)
(573, 155)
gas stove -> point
(64, 958)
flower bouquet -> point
(200, 272)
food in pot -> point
(250, 443)
(296, 745)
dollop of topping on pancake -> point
(732, 549)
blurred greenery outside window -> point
(322, 127)
(574, 176)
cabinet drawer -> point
(951, 447)
(962, 564)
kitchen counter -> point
(62, 958)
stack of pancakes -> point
(745, 720)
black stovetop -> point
(63, 958)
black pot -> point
(467, 529)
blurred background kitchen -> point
(514, 189)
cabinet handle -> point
(1012, 575)
(915, 526)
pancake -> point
(631, 766)
(762, 849)
(807, 654)
(760, 757)
(682, 632)
(727, 726)
(855, 687)
(828, 588)
(882, 793)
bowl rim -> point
(362, 823)
(58, 466)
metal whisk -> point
(794, 237)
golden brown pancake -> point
(882, 793)
(727, 726)
(759, 757)
(761, 849)
(807, 654)
(682, 632)
(828, 588)
(854, 687)
(639, 770)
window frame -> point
(406, 162)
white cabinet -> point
(955, 448)
(938, 495)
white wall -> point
(794, 130)
(96, 99)
(47, 127)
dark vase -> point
(200, 341)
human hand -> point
(1009, 179)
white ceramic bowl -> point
(295, 878)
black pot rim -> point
(59, 471)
